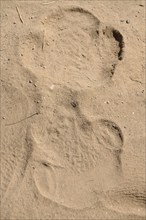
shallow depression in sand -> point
(69, 155)
(70, 51)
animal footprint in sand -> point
(69, 172)
(73, 48)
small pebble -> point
(141, 5)
(42, 65)
(52, 87)
(106, 102)
(30, 81)
(74, 104)
(127, 21)
(83, 55)
(3, 117)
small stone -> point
(106, 102)
(22, 55)
(133, 113)
(141, 5)
(74, 104)
(42, 65)
(8, 59)
(52, 87)
(3, 117)
(127, 21)
(30, 81)
(83, 55)
(35, 85)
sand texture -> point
(73, 110)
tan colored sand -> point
(72, 110)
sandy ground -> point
(72, 110)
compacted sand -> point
(72, 110)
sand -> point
(72, 110)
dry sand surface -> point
(72, 110)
